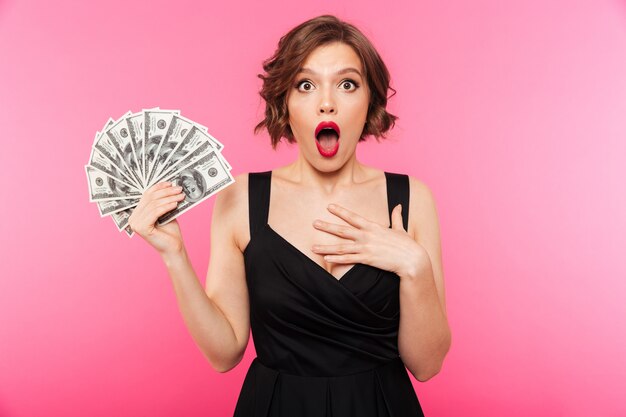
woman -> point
(335, 266)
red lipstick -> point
(324, 125)
(327, 152)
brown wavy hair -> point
(293, 49)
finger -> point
(147, 224)
(166, 192)
(340, 249)
(169, 199)
(345, 259)
(158, 204)
(396, 218)
(159, 186)
(162, 209)
(345, 232)
(349, 216)
(152, 205)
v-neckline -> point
(292, 246)
(304, 255)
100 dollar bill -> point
(200, 180)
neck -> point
(323, 178)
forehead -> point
(332, 57)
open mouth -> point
(327, 138)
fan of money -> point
(138, 150)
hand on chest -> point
(292, 215)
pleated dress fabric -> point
(325, 346)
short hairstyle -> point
(293, 49)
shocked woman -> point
(333, 265)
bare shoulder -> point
(418, 187)
(231, 209)
(424, 227)
(232, 196)
(422, 210)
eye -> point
(304, 85)
(349, 85)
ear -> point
(396, 218)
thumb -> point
(396, 218)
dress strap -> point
(258, 199)
(398, 193)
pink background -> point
(513, 113)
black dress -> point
(325, 346)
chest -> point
(292, 213)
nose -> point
(327, 105)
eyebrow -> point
(340, 72)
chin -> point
(326, 164)
(329, 165)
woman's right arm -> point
(217, 317)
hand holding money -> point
(155, 202)
(135, 153)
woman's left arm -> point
(424, 335)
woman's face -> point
(329, 88)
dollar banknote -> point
(195, 144)
(177, 130)
(138, 150)
(120, 138)
(99, 160)
(103, 152)
(104, 187)
(200, 180)
(108, 207)
(156, 124)
(121, 218)
(136, 127)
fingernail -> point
(332, 206)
